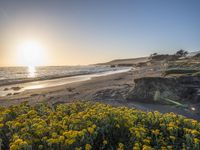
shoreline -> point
(5, 82)
(67, 92)
(26, 80)
(47, 83)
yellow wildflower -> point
(88, 147)
(196, 140)
(195, 132)
(173, 138)
(54, 134)
(78, 148)
(90, 130)
(105, 142)
(163, 148)
(13, 147)
(68, 126)
(120, 146)
(146, 141)
(69, 141)
(61, 138)
(146, 147)
(94, 126)
(169, 147)
(156, 132)
(136, 148)
(194, 122)
(171, 124)
(117, 126)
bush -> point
(87, 125)
(181, 53)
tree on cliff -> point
(181, 53)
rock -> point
(6, 89)
(15, 93)
(9, 94)
(108, 94)
(112, 66)
(141, 64)
(120, 78)
(151, 89)
(16, 88)
(32, 95)
(70, 89)
(125, 65)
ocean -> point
(10, 75)
(19, 79)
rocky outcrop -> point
(153, 89)
(115, 93)
(108, 94)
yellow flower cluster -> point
(84, 125)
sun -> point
(31, 53)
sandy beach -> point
(71, 91)
(14, 89)
(109, 88)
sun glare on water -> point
(31, 71)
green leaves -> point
(89, 125)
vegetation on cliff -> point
(89, 125)
(180, 72)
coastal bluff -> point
(151, 89)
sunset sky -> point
(79, 32)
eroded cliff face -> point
(151, 89)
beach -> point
(81, 88)
(111, 88)
(14, 89)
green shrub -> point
(94, 126)
(180, 71)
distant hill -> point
(129, 61)
(134, 61)
(193, 54)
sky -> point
(80, 32)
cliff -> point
(151, 89)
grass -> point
(94, 126)
(193, 64)
(180, 71)
(197, 74)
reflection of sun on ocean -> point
(31, 71)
